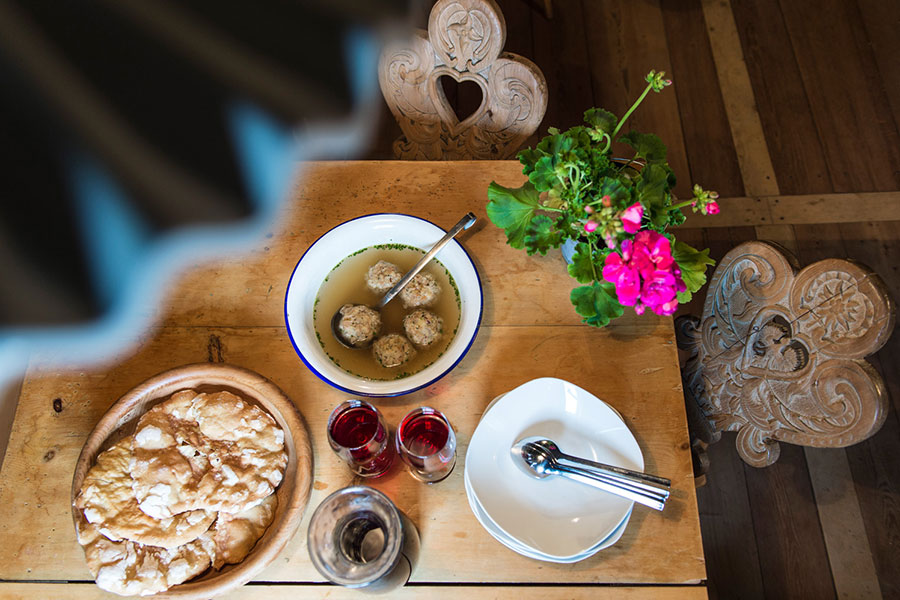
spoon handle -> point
(653, 501)
(636, 476)
(464, 223)
(643, 487)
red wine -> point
(355, 427)
(358, 434)
(424, 434)
(427, 444)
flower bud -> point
(590, 226)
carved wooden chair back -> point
(464, 41)
(778, 353)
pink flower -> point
(658, 289)
(660, 249)
(591, 226)
(645, 274)
(626, 279)
(679, 282)
(667, 308)
(652, 252)
(627, 248)
(705, 201)
(631, 218)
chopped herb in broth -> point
(346, 284)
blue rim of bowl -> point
(402, 392)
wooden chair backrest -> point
(778, 354)
(464, 41)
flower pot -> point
(568, 250)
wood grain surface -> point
(711, 151)
(84, 591)
(231, 312)
(762, 51)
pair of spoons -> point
(539, 457)
(463, 224)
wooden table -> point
(232, 312)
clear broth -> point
(346, 284)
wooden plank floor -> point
(792, 109)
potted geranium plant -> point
(616, 212)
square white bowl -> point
(558, 518)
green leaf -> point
(581, 268)
(652, 191)
(618, 192)
(541, 235)
(512, 210)
(646, 145)
(676, 217)
(597, 303)
(693, 265)
(543, 178)
(600, 119)
(557, 143)
(529, 157)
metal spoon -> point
(539, 458)
(464, 223)
(620, 472)
(537, 462)
(642, 482)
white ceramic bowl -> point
(344, 240)
(560, 519)
(517, 546)
(528, 551)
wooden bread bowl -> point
(293, 493)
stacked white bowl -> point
(552, 519)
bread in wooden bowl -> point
(290, 497)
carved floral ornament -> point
(778, 355)
(464, 41)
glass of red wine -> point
(357, 433)
(427, 444)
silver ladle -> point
(464, 223)
(540, 458)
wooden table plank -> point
(45, 445)
(625, 41)
(732, 557)
(84, 591)
(875, 463)
(846, 95)
(519, 289)
(232, 313)
(565, 61)
(785, 520)
(880, 20)
(249, 290)
(791, 136)
(704, 119)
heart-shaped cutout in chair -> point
(455, 125)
